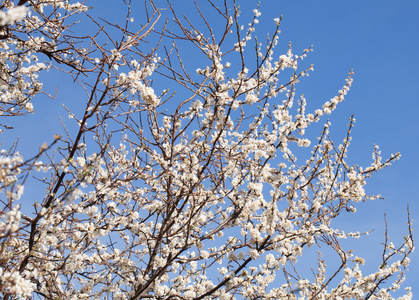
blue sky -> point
(379, 41)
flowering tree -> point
(172, 181)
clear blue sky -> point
(379, 40)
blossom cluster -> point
(12, 15)
(26, 34)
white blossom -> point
(13, 14)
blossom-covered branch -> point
(176, 177)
